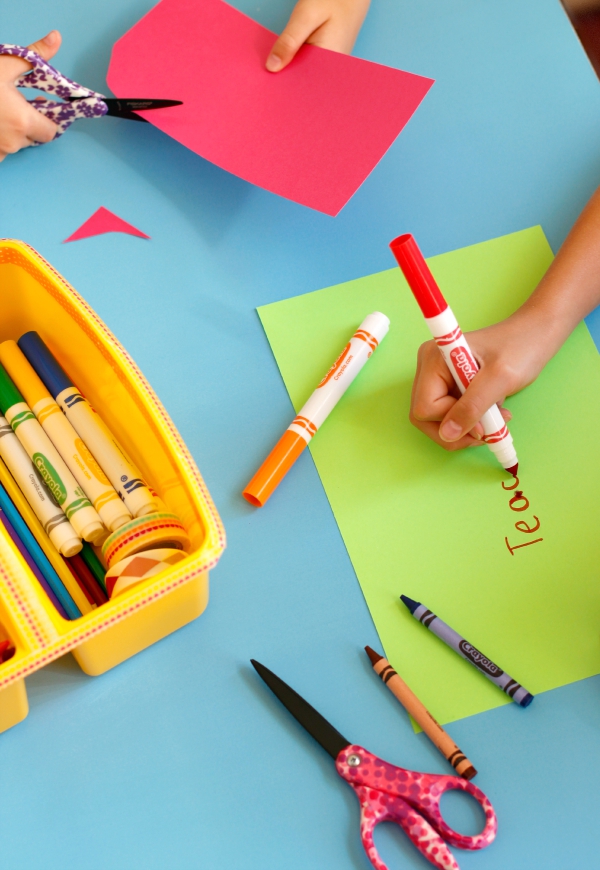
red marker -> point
(453, 345)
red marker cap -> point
(419, 277)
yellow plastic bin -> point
(34, 296)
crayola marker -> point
(80, 462)
(64, 488)
(465, 649)
(314, 413)
(453, 346)
(91, 429)
(32, 485)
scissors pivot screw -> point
(353, 760)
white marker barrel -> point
(459, 359)
(80, 462)
(92, 430)
(315, 411)
(313, 414)
(57, 477)
(30, 482)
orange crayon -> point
(440, 738)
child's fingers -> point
(13, 67)
(304, 20)
(38, 128)
(486, 389)
(434, 391)
(432, 430)
(48, 46)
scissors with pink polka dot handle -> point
(387, 793)
(74, 100)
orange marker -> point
(314, 413)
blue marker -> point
(450, 637)
(38, 555)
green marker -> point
(94, 564)
(50, 466)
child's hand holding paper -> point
(20, 124)
(512, 353)
(332, 24)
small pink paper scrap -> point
(104, 221)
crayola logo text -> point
(50, 477)
(334, 368)
(464, 364)
(479, 660)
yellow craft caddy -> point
(34, 296)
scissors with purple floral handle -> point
(77, 101)
(387, 793)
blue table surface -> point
(180, 758)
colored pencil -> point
(87, 580)
(12, 532)
(37, 555)
(44, 542)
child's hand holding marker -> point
(512, 353)
(332, 24)
(20, 124)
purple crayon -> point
(465, 649)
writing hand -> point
(510, 355)
(20, 124)
(332, 24)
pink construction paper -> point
(311, 133)
(104, 221)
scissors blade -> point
(317, 726)
(123, 108)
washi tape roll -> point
(145, 533)
(138, 567)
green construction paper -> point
(431, 524)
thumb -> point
(485, 390)
(13, 66)
(48, 46)
(304, 20)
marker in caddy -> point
(49, 463)
(465, 649)
(91, 429)
(313, 414)
(52, 517)
(78, 459)
(453, 345)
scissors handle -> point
(412, 800)
(417, 829)
(44, 77)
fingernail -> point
(476, 435)
(450, 431)
(50, 39)
(273, 63)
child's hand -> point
(20, 124)
(510, 355)
(332, 24)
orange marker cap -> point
(274, 468)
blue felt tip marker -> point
(465, 649)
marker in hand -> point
(453, 345)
